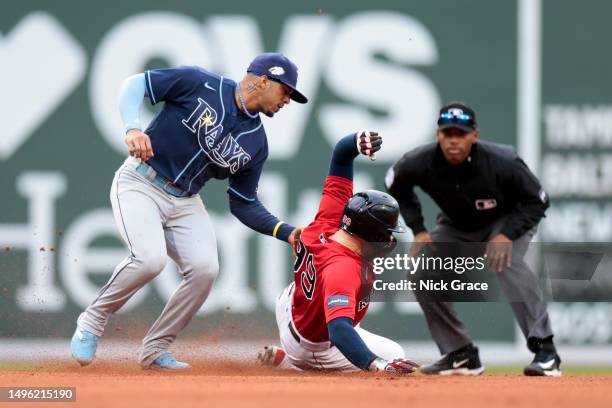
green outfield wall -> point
(537, 74)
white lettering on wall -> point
(37, 237)
(126, 49)
(408, 99)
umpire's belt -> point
(150, 174)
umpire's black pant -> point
(444, 324)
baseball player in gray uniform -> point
(209, 127)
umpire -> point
(486, 194)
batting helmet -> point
(372, 216)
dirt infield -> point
(223, 385)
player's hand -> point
(139, 144)
(294, 238)
(368, 143)
(499, 253)
(397, 366)
(420, 240)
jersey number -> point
(308, 274)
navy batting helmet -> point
(372, 216)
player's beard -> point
(269, 114)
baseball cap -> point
(457, 115)
(279, 68)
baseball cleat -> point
(83, 346)
(271, 356)
(167, 362)
(544, 364)
(464, 361)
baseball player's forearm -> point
(343, 156)
(255, 216)
(131, 96)
(347, 148)
(351, 345)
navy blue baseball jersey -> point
(201, 134)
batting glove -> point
(398, 366)
(368, 142)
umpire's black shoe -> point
(464, 361)
(545, 363)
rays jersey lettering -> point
(229, 154)
(225, 152)
(200, 134)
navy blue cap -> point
(279, 68)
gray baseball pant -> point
(518, 281)
(154, 225)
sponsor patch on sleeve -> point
(337, 300)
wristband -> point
(276, 227)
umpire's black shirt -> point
(493, 182)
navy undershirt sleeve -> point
(347, 340)
(255, 216)
(342, 158)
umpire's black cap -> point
(279, 68)
(457, 115)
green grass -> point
(566, 370)
(17, 366)
(491, 370)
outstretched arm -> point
(348, 148)
(341, 287)
(255, 216)
(245, 205)
(344, 336)
(338, 186)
